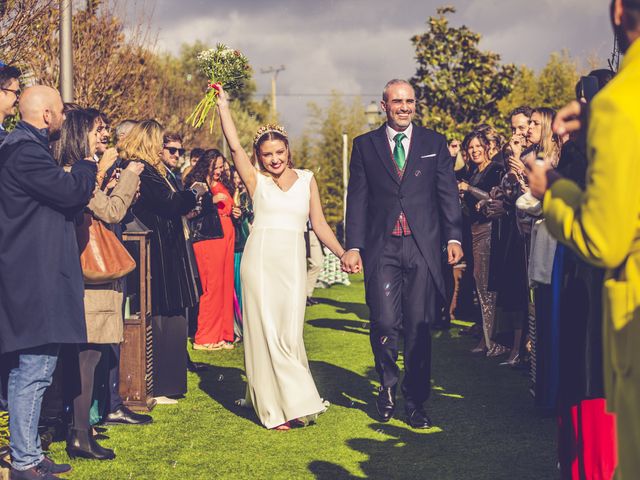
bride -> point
(273, 274)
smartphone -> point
(587, 88)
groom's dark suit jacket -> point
(427, 194)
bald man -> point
(41, 284)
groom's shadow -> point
(339, 386)
(350, 326)
(344, 308)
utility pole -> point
(66, 51)
(274, 76)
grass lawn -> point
(486, 428)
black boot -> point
(81, 444)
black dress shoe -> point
(197, 367)
(81, 444)
(124, 416)
(54, 467)
(386, 403)
(419, 419)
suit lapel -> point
(414, 151)
(381, 144)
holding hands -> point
(351, 261)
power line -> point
(320, 94)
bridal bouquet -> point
(224, 66)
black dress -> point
(173, 283)
(160, 209)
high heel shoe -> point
(81, 444)
(511, 363)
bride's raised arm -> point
(241, 160)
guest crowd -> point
(64, 180)
(528, 299)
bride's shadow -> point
(226, 385)
(339, 386)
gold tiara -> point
(268, 128)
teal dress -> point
(242, 226)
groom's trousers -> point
(401, 296)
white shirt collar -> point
(391, 133)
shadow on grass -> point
(487, 427)
(351, 326)
(339, 386)
(344, 308)
(398, 453)
(225, 385)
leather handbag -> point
(102, 256)
(206, 225)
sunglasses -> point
(173, 150)
(15, 92)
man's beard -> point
(54, 135)
(621, 38)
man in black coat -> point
(41, 284)
(402, 206)
(9, 94)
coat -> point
(427, 194)
(602, 225)
(41, 285)
(103, 303)
(160, 208)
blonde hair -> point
(550, 143)
(144, 142)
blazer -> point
(427, 194)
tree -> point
(17, 21)
(322, 151)
(552, 87)
(119, 73)
(457, 85)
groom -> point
(402, 206)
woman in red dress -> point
(215, 260)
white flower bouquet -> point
(222, 66)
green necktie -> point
(398, 151)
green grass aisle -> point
(487, 427)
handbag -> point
(102, 256)
(206, 225)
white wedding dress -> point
(273, 273)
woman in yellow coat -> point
(602, 224)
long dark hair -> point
(482, 138)
(200, 173)
(74, 138)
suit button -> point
(401, 196)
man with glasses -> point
(172, 151)
(9, 94)
(171, 154)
